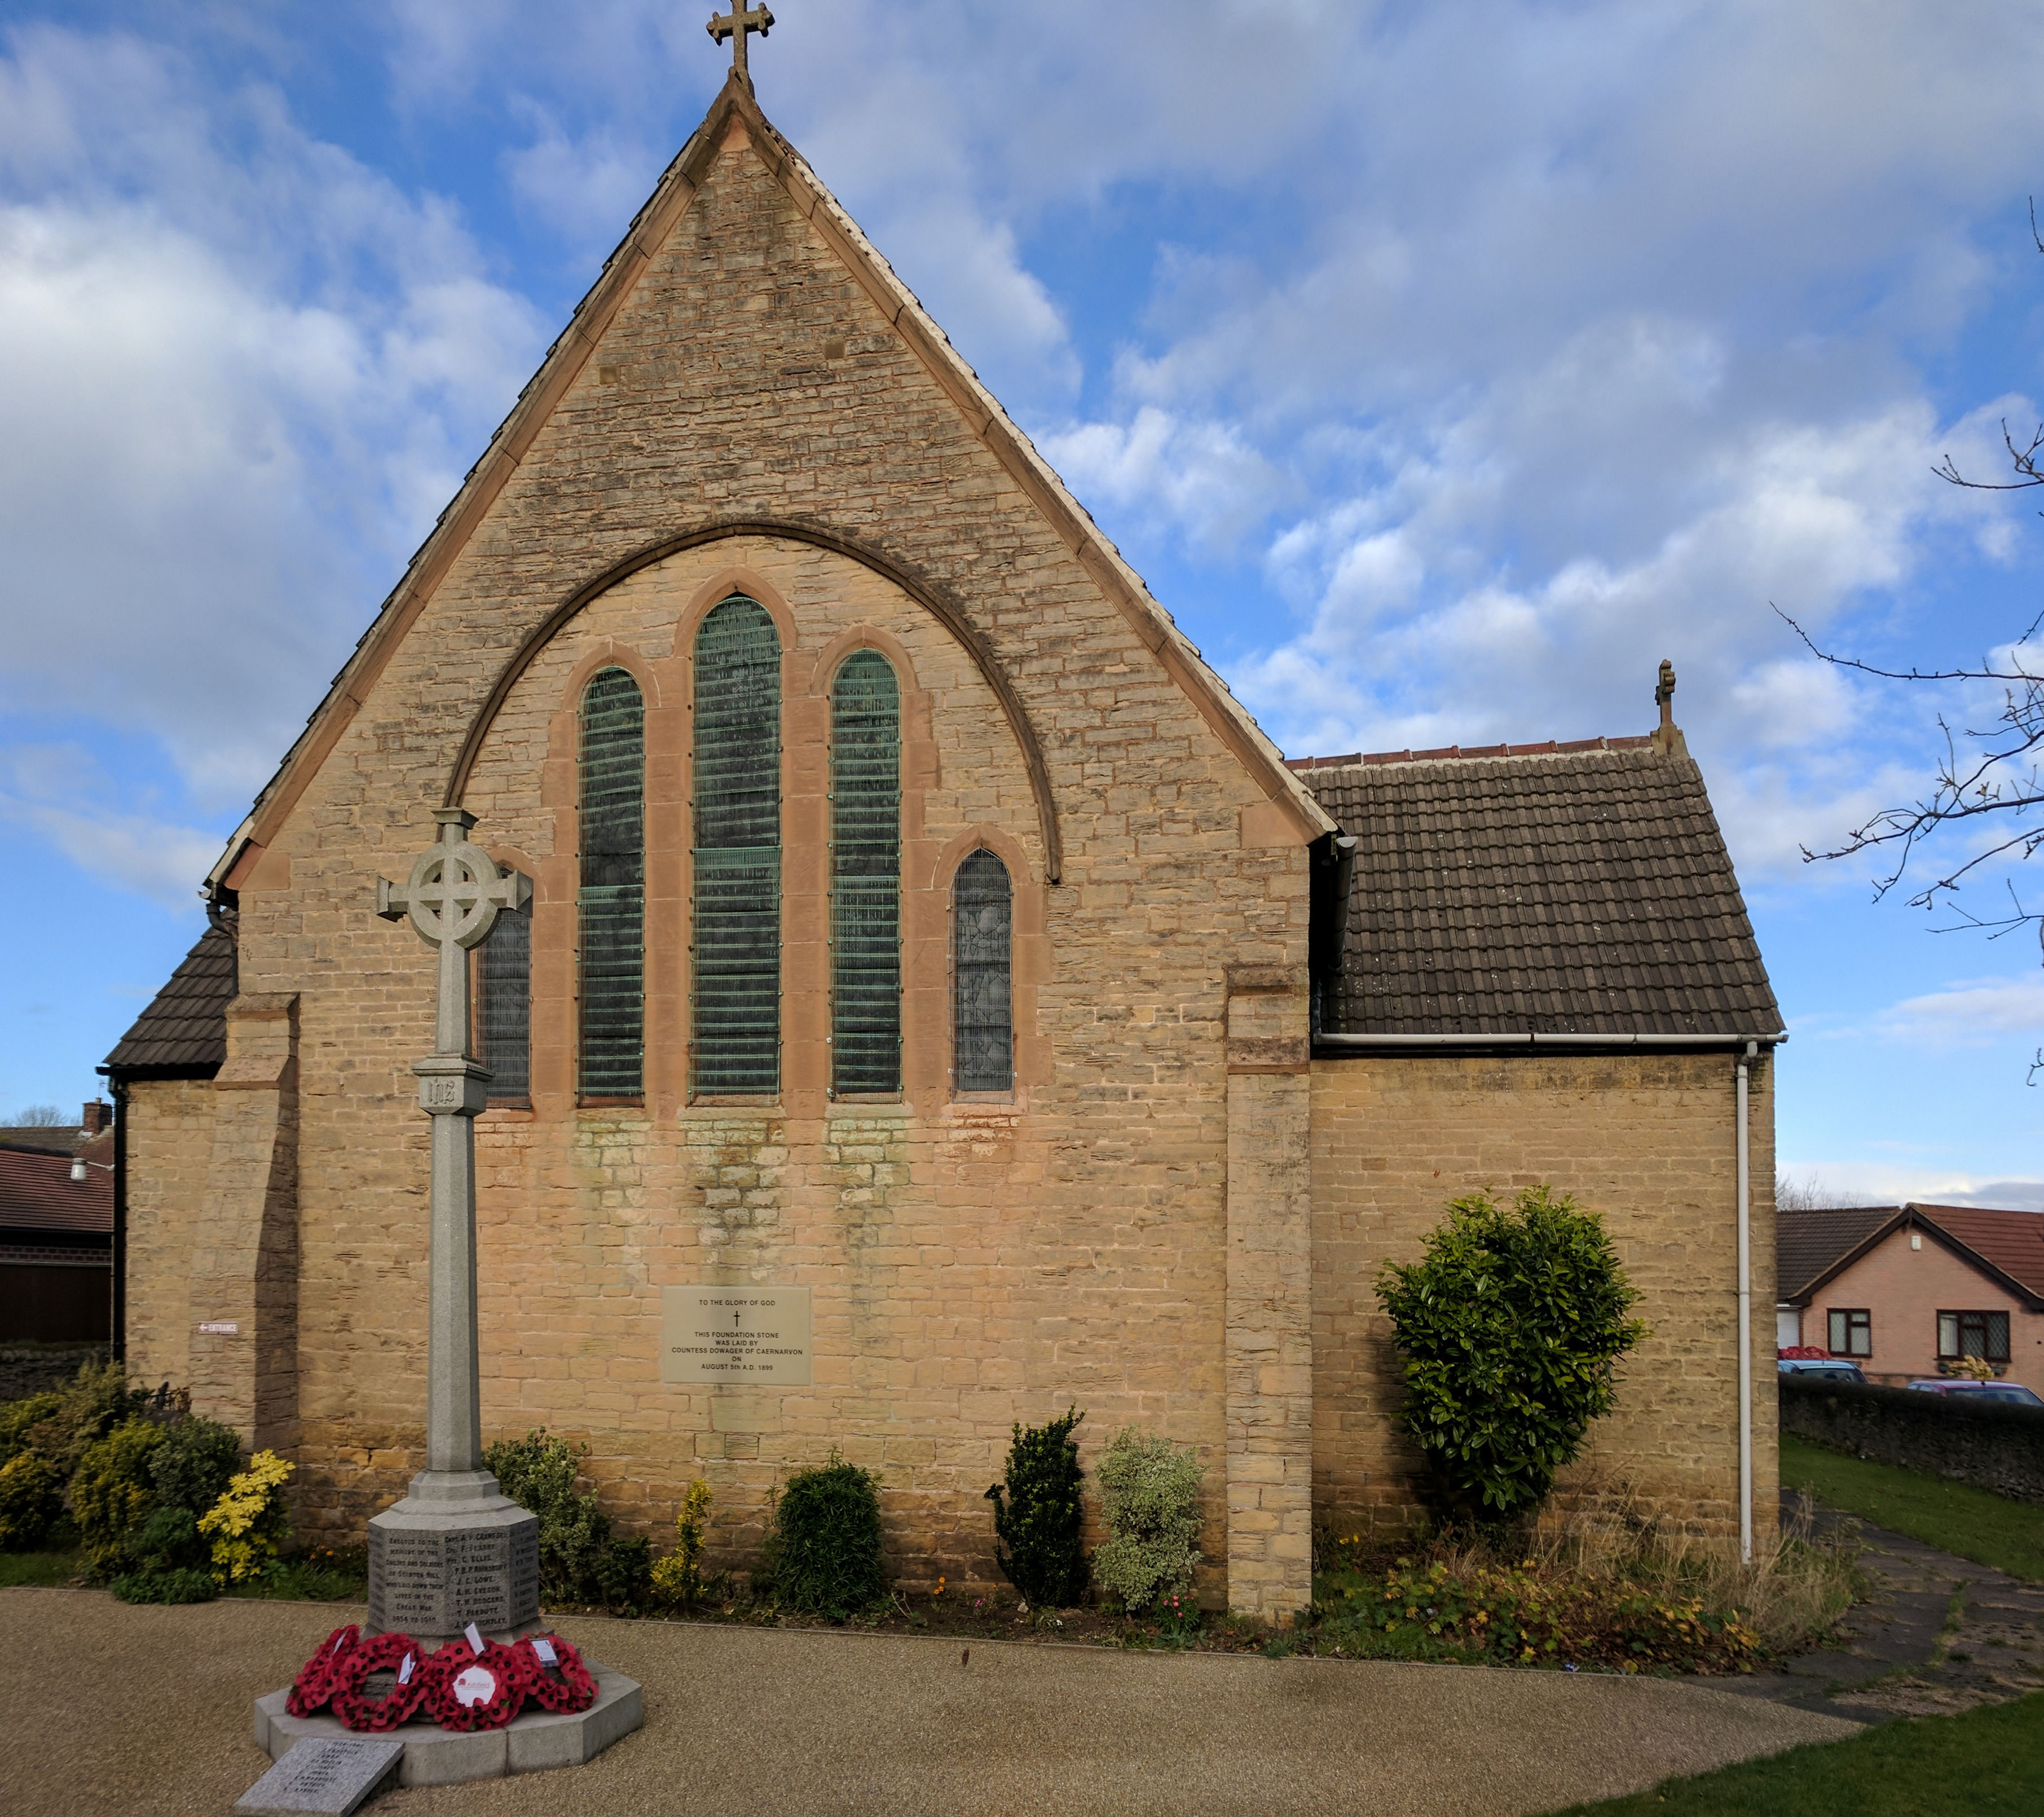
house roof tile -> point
(38, 1193)
(184, 1029)
(1809, 1242)
(1579, 889)
(2011, 1241)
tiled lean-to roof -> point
(184, 1029)
(1577, 889)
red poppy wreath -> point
(371, 1712)
(468, 1690)
(562, 1684)
(319, 1675)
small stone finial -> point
(737, 25)
(1667, 737)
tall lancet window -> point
(504, 1008)
(982, 940)
(613, 897)
(735, 973)
(865, 876)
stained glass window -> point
(612, 897)
(865, 876)
(503, 1008)
(982, 923)
(734, 975)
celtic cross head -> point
(455, 892)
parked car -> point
(2013, 1392)
(1829, 1369)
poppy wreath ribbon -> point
(320, 1676)
(566, 1687)
(466, 1690)
(368, 1714)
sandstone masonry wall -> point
(1647, 1142)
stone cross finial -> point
(453, 897)
(735, 24)
(1668, 736)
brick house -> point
(918, 921)
(56, 1230)
(1903, 1289)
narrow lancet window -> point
(612, 898)
(504, 1008)
(983, 1019)
(735, 973)
(866, 878)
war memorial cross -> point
(735, 24)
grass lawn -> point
(1955, 1517)
(41, 1568)
(1982, 1764)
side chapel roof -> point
(1573, 888)
(183, 1032)
(576, 344)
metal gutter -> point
(1705, 1042)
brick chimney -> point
(98, 1116)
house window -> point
(1984, 1334)
(735, 973)
(1852, 1332)
(612, 901)
(983, 1022)
(503, 1008)
(866, 878)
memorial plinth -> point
(455, 1551)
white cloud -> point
(1879, 1183)
(1970, 1011)
(239, 388)
(60, 794)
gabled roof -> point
(1574, 890)
(734, 107)
(38, 1193)
(2006, 1246)
(183, 1032)
(1810, 1243)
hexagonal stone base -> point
(537, 1741)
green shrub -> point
(1149, 1499)
(677, 1577)
(89, 1406)
(249, 1523)
(538, 1472)
(113, 1491)
(1036, 1522)
(623, 1573)
(196, 1462)
(19, 1418)
(179, 1586)
(1511, 1324)
(168, 1544)
(31, 1498)
(824, 1549)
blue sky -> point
(1442, 368)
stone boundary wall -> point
(1992, 1445)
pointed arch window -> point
(865, 876)
(612, 901)
(735, 971)
(982, 942)
(504, 1008)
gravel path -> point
(118, 1710)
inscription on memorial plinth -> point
(750, 1337)
(436, 1581)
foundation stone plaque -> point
(744, 1337)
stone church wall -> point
(170, 1141)
(972, 1263)
(1647, 1142)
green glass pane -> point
(865, 876)
(612, 898)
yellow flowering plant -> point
(677, 1577)
(248, 1520)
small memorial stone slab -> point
(337, 1776)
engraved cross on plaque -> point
(735, 24)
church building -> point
(923, 942)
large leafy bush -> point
(1037, 1514)
(113, 1491)
(196, 1462)
(1150, 1498)
(541, 1472)
(1511, 1324)
(31, 1498)
(248, 1523)
(823, 1550)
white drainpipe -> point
(1745, 1318)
